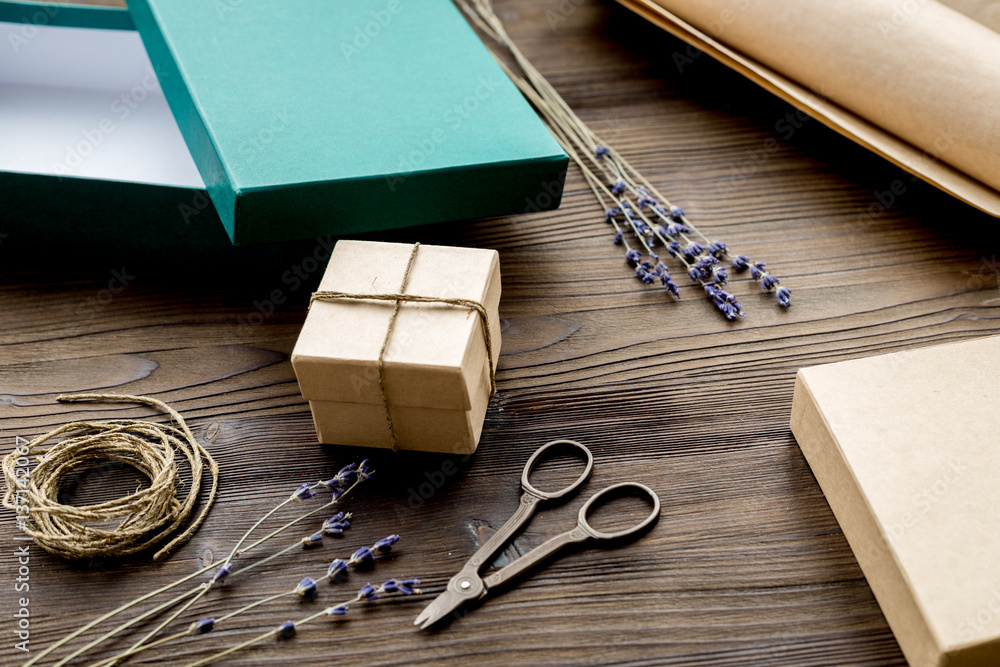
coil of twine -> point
(116, 527)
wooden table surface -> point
(747, 564)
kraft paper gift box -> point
(300, 118)
(436, 369)
(906, 447)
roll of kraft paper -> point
(918, 81)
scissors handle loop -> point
(621, 489)
(528, 487)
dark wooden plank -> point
(747, 565)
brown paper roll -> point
(915, 80)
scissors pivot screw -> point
(465, 585)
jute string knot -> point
(116, 527)
(398, 299)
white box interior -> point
(86, 103)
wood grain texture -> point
(747, 564)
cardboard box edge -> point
(920, 644)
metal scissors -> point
(467, 585)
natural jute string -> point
(116, 527)
(399, 298)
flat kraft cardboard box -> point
(906, 447)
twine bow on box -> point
(398, 299)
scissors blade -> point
(439, 607)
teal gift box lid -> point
(309, 117)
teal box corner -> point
(310, 117)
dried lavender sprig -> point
(288, 629)
(767, 281)
(572, 132)
(632, 256)
(306, 542)
(203, 588)
(306, 588)
(597, 186)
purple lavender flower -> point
(703, 269)
(633, 257)
(385, 544)
(391, 586)
(724, 301)
(618, 187)
(676, 212)
(720, 275)
(784, 297)
(618, 238)
(368, 592)
(757, 270)
(674, 248)
(306, 588)
(343, 479)
(643, 201)
(220, 576)
(333, 527)
(601, 152)
(670, 285)
(286, 630)
(362, 557)
(304, 492)
(693, 250)
(612, 212)
(717, 249)
(769, 282)
(741, 263)
(337, 492)
(337, 570)
(339, 610)
(365, 472)
(201, 627)
(313, 540)
(644, 275)
(409, 586)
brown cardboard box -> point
(435, 366)
(906, 447)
